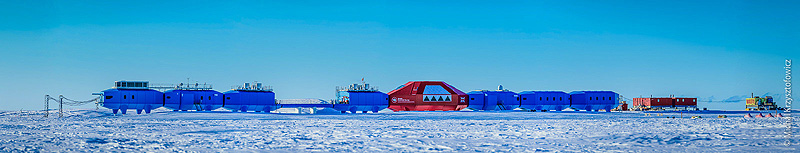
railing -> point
(195, 86)
(165, 86)
(358, 87)
(253, 88)
(302, 101)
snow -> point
(90, 130)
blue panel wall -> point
(259, 101)
(594, 100)
(545, 100)
(493, 100)
(477, 100)
(137, 99)
(193, 99)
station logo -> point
(401, 100)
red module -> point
(664, 102)
(427, 96)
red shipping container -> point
(664, 102)
(659, 102)
(427, 96)
(685, 101)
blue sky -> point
(714, 50)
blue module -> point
(362, 101)
(251, 97)
(544, 100)
(192, 99)
(493, 100)
(132, 95)
(360, 97)
(594, 100)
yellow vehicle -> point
(757, 103)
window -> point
(131, 96)
(540, 98)
(604, 98)
(201, 97)
(548, 98)
(119, 84)
(560, 98)
(168, 97)
(524, 98)
(124, 96)
(109, 97)
(471, 98)
(229, 98)
(209, 97)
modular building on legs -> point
(544, 100)
(594, 100)
(132, 95)
(360, 97)
(251, 97)
(499, 99)
(427, 96)
(193, 97)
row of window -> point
(598, 98)
(131, 84)
(554, 98)
(123, 97)
(201, 97)
(540, 98)
(559, 98)
(168, 97)
(681, 100)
